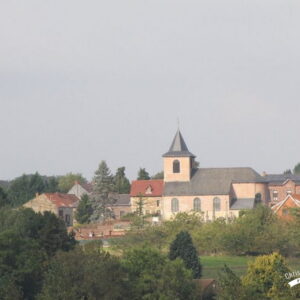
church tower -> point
(178, 161)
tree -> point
(143, 174)
(230, 286)
(287, 172)
(27, 242)
(103, 197)
(183, 248)
(266, 277)
(25, 187)
(66, 182)
(153, 276)
(3, 198)
(159, 175)
(297, 169)
(82, 274)
(84, 210)
(122, 184)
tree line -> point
(39, 259)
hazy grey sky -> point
(82, 81)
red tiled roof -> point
(296, 196)
(62, 200)
(140, 187)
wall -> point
(150, 204)
(185, 169)
(186, 204)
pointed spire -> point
(178, 147)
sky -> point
(85, 81)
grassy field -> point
(213, 264)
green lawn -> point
(213, 264)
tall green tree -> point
(143, 174)
(297, 169)
(66, 182)
(122, 184)
(159, 175)
(183, 248)
(3, 198)
(103, 193)
(84, 210)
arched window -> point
(197, 204)
(174, 205)
(217, 204)
(176, 166)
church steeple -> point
(178, 147)
(178, 161)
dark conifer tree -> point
(183, 248)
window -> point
(289, 192)
(174, 205)
(157, 203)
(197, 204)
(61, 213)
(122, 213)
(67, 219)
(176, 166)
(275, 195)
(217, 204)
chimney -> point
(264, 174)
(36, 195)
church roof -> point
(178, 147)
(211, 181)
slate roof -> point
(178, 147)
(139, 187)
(87, 186)
(211, 181)
(278, 179)
(122, 200)
(243, 203)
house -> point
(62, 205)
(281, 185)
(148, 195)
(283, 208)
(80, 189)
(214, 192)
(122, 205)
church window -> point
(174, 205)
(176, 166)
(217, 204)
(197, 204)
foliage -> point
(143, 174)
(265, 277)
(84, 210)
(230, 286)
(27, 241)
(153, 276)
(159, 175)
(102, 198)
(25, 187)
(3, 198)
(183, 248)
(84, 275)
(288, 171)
(297, 169)
(66, 182)
(122, 184)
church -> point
(215, 192)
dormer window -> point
(176, 166)
(148, 190)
